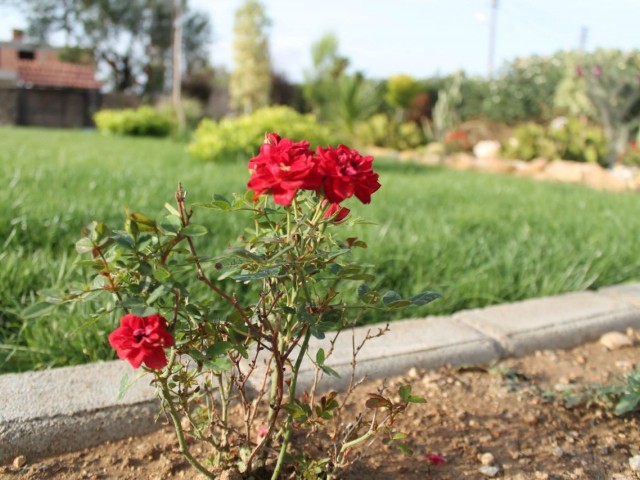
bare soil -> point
(501, 410)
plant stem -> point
(292, 397)
(175, 418)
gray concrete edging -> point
(66, 409)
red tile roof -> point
(57, 74)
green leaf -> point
(172, 210)
(317, 332)
(194, 230)
(266, 273)
(37, 310)
(627, 403)
(144, 223)
(363, 290)
(377, 401)
(218, 364)
(405, 392)
(51, 296)
(156, 294)
(329, 371)
(124, 385)
(218, 348)
(399, 304)
(320, 356)
(84, 245)
(125, 241)
(404, 449)
(241, 252)
(425, 298)
(171, 224)
(391, 297)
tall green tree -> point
(321, 86)
(250, 83)
(130, 39)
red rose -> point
(339, 212)
(347, 173)
(142, 339)
(282, 168)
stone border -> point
(66, 409)
(592, 175)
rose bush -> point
(222, 352)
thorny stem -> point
(185, 217)
(292, 397)
(175, 418)
(109, 276)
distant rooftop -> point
(57, 74)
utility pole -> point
(584, 32)
(176, 92)
(492, 36)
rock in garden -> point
(563, 171)
(20, 461)
(487, 149)
(489, 471)
(634, 463)
(615, 341)
(487, 459)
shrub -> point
(400, 91)
(192, 108)
(568, 139)
(456, 141)
(382, 131)
(143, 121)
(525, 88)
(242, 136)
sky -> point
(421, 38)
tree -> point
(250, 82)
(131, 39)
(400, 91)
(322, 82)
(612, 84)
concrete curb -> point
(66, 409)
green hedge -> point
(143, 121)
(241, 137)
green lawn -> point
(476, 238)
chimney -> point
(18, 35)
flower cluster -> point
(283, 167)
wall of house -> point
(8, 101)
(57, 108)
(9, 56)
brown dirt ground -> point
(469, 412)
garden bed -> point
(489, 419)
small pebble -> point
(413, 373)
(20, 461)
(488, 471)
(541, 475)
(487, 459)
(557, 452)
(615, 341)
(634, 463)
